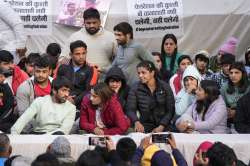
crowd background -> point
(84, 88)
(206, 26)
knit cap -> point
(60, 147)
(154, 156)
(204, 146)
(229, 46)
(162, 158)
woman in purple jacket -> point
(208, 114)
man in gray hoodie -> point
(37, 86)
(129, 53)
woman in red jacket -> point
(101, 112)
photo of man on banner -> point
(71, 11)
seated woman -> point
(169, 53)
(175, 81)
(208, 114)
(237, 86)
(101, 112)
(163, 74)
(154, 100)
(116, 81)
(190, 82)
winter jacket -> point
(7, 101)
(155, 109)
(183, 99)
(231, 99)
(26, 95)
(128, 57)
(175, 83)
(215, 121)
(220, 78)
(116, 72)
(208, 74)
(242, 117)
(19, 76)
(12, 34)
(112, 116)
(81, 80)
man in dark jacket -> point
(242, 117)
(116, 80)
(6, 103)
(79, 72)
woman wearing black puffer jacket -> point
(153, 99)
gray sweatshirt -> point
(128, 56)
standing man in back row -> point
(129, 53)
(101, 43)
(12, 34)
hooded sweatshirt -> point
(116, 73)
(128, 56)
(183, 98)
(26, 94)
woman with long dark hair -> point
(152, 98)
(101, 112)
(237, 86)
(208, 114)
(163, 74)
(169, 53)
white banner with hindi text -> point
(35, 14)
(153, 18)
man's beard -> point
(122, 43)
(92, 32)
(60, 99)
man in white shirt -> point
(52, 114)
(101, 43)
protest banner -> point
(35, 14)
(154, 18)
(71, 11)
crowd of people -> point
(107, 83)
(124, 153)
